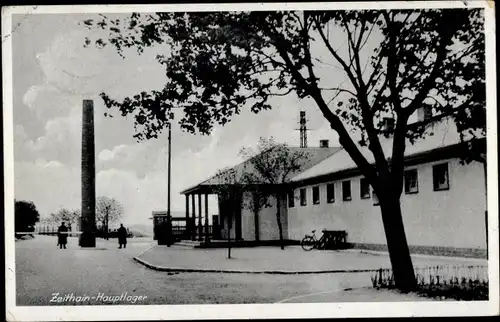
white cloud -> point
(141, 196)
(48, 102)
(87, 71)
(49, 184)
(61, 141)
(19, 133)
(140, 158)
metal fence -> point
(49, 231)
(181, 231)
(461, 282)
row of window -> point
(439, 175)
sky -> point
(53, 73)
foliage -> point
(217, 62)
(25, 215)
(65, 215)
(272, 163)
(109, 208)
(269, 168)
(229, 188)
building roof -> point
(441, 136)
(442, 133)
(314, 156)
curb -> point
(230, 271)
(383, 253)
(340, 290)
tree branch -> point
(446, 34)
(392, 63)
(336, 55)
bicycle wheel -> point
(307, 243)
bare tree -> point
(269, 169)
(108, 210)
(66, 215)
(229, 188)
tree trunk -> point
(278, 217)
(399, 253)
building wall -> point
(448, 218)
(247, 219)
(224, 213)
(268, 225)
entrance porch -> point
(201, 228)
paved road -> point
(106, 272)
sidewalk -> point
(273, 260)
(361, 294)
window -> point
(330, 193)
(303, 197)
(411, 181)
(346, 190)
(364, 188)
(291, 199)
(440, 177)
(315, 195)
(375, 199)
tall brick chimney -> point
(88, 238)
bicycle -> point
(309, 242)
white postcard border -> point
(223, 311)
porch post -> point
(200, 226)
(187, 233)
(206, 218)
(192, 221)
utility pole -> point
(169, 166)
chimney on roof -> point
(324, 144)
(424, 113)
(388, 126)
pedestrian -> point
(122, 236)
(62, 236)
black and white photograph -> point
(250, 160)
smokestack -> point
(87, 238)
(388, 126)
(424, 114)
(324, 144)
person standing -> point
(165, 235)
(62, 236)
(122, 236)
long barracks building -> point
(443, 200)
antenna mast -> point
(169, 166)
(303, 129)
